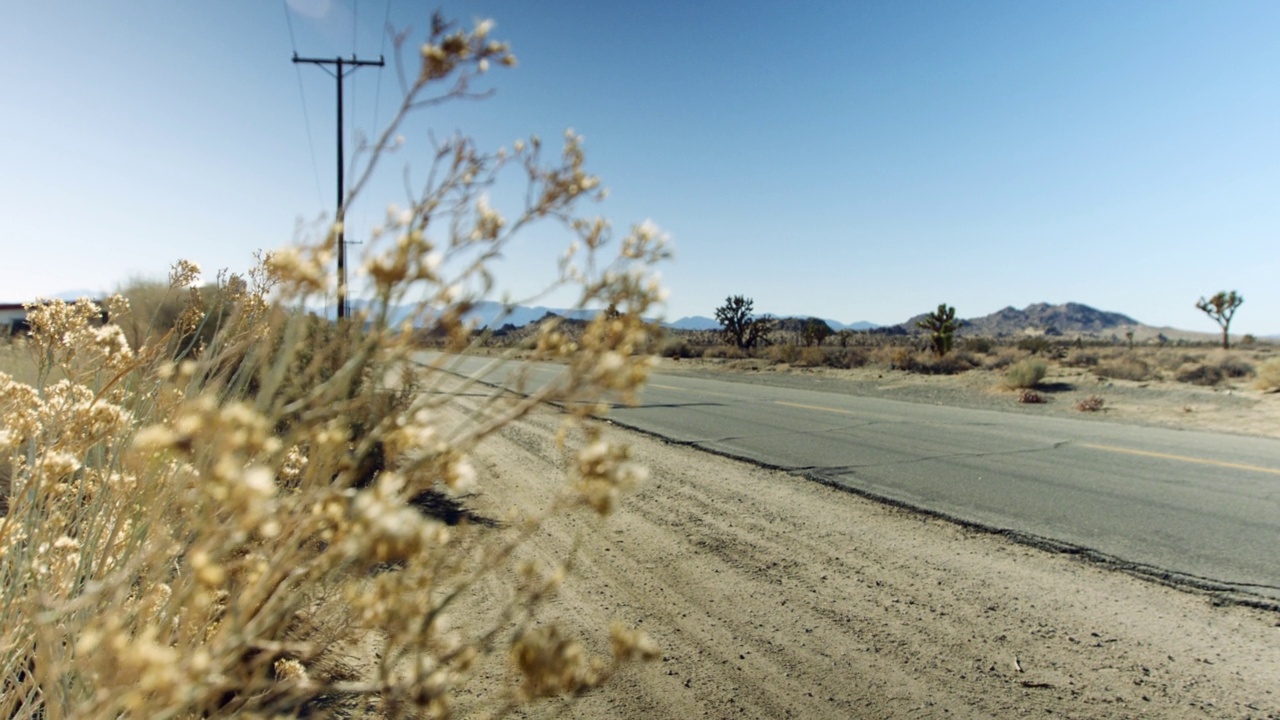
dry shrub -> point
(1231, 364)
(846, 358)
(1171, 360)
(1093, 403)
(785, 353)
(891, 356)
(1124, 368)
(724, 352)
(1004, 359)
(1030, 397)
(928, 363)
(978, 344)
(212, 528)
(675, 347)
(952, 363)
(1268, 379)
(811, 357)
(1197, 373)
(1026, 373)
(1080, 358)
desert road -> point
(1194, 508)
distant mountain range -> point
(495, 315)
(1040, 318)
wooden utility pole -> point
(344, 66)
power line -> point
(375, 130)
(306, 116)
(377, 92)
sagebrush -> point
(220, 511)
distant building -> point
(13, 319)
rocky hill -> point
(1042, 318)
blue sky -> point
(857, 160)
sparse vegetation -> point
(1232, 365)
(1093, 403)
(1268, 379)
(1198, 373)
(1035, 344)
(1081, 358)
(1026, 373)
(256, 521)
(1030, 397)
(1124, 368)
(1221, 308)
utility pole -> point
(351, 64)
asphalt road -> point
(1190, 507)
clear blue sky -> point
(857, 160)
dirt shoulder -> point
(1231, 407)
(773, 596)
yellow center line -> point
(814, 407)
(680, 389)
(1183, 458)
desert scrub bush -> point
(846, 358)
(1003, 359)
(1092, 403)
(724, 352)
(1268, 376)
(218, 535)
(785, 353)
(676, 347)
(1198, 373)
(978, 344)
(1030, 397)
(1124, 368)
(1232, 365)
(811, 357)
(1035, 344)
(1079, 358)
(1026, 373)
(926, 362)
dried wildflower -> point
(605, 471)
(553, 664)
(290, 670)
(211, 507)
(56, 464)
(184, 274)
(631, 644)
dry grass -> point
(219, 511)
(1268, 379)
(1026, 374)
(1128, 367)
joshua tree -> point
(943, 324)
(735, 318)
(739, 326)
(814, 330)
(1222, 307)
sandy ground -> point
(772, 596)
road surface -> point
(1194, 508)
